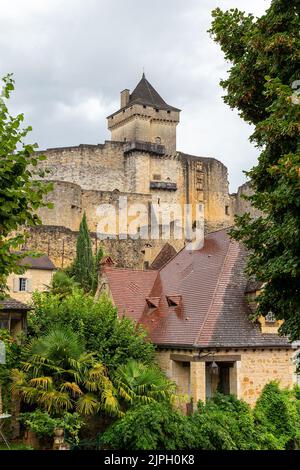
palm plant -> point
(136, 383)
(59, 376)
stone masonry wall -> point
(256, 368)
(89, 175)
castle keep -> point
(140, 162)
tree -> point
(58, 376)
(116, 340)
(85, 266)
(138, 383)
(62, 284)
(265, 69)
(20, 195)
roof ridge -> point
(115, 268)
(231, 244)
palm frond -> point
(88, 404)
(71, 387)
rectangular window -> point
(227, 210)
(22, 284)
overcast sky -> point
(71, 59)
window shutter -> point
(16, 284)
(29, 285)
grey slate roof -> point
(145, 94)
(12, 304)
(41, 262)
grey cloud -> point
(71, 58)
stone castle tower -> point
(144, 116)
(140, 162)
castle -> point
(140, 162)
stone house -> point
(38, 276)
(13, 316)
(196, 310)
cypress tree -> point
(83, 269)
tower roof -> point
(145, 94)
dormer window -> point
(173, 300)
(153, 302)
(270, 317)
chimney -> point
(124, 98)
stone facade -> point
(249, 370)
(140, 162)
(36, 279)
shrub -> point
(277, 413)
(224, 423)
(154, 426)
(43, 425)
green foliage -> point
(277, 411)
(97, 324)
(57, 375)
(13, 446)
(152, 426)
(85, 266)
(62, 284)
(72, 424)
(20, 195)
(139, 383)
(265, 62)
(43, 425)
(13, 359)
(223, 423)
(40, 422)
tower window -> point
(227, 210)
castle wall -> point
(206, 180)
(241, 205)
(98, 167)
(59, 243)
(84, 173)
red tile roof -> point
(129, 289)
(200, 298)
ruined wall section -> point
(241, 205)
(97, 167)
